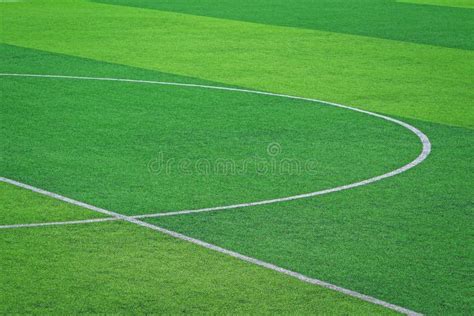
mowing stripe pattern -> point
(426, 149)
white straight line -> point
(426, 145)
(84, 221)
(287, 272)
(58, 196)
(299, 276)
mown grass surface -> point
(123, 268)
(405, 79)
(405, 240)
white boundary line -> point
(84, 221)
(421, 136)
(423, 155)
(299, 276)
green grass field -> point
(141, 148)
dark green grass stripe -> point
(158, 148)
(441, 26)
(141, 147)
(405, 240)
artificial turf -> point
(393, 77)
(387, 19)
(449, 3)
(125, 269)
(404, 240)
(19, 206)
(152, 148)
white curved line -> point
(421, 157)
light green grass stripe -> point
(409, 80)
(388, 19)
(446, 3)
(18, 206)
